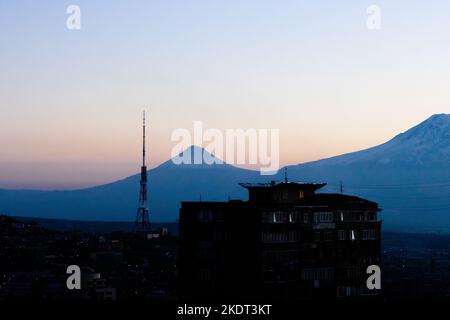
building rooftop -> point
(340, 200)
(274, 184)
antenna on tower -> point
(342, 187)
(142, 222)
(143, 138)
(285, 175)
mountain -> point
(169, 184)
(409, 176)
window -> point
(218, 234)
(317, 236)
(294, 216)
(353, 272)
(219, 216)
(204, 275)
(353, 235)
(301, 194)
(318, 274)
(328, 236)
(205, 244)
(369, 234)
(287, 256)
(347, 291)
(293, 236)
(323, 217)
(370, 216)
(280, 236)
(279, 217)
(270, 256)
(284, 194)
(276, 217)
(365, 234)
(305, 218)
(267, 217)
(341, 235)
(352, 216)
(205, 216)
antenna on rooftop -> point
(285, 175)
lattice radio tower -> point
(142, 223)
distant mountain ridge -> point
(409, 176)
(429, 138)
(169, 184)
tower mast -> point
(142, 222)
(143, 138)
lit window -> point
(279, 216)
(301, 194)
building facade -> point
(285, 242)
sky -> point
(71, 100)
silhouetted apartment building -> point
(286, 241)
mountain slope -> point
(409, 176)
(169, 184)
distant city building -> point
(286, 242)
(94, 287)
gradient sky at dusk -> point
(71, 101)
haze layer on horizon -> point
(71, 100)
